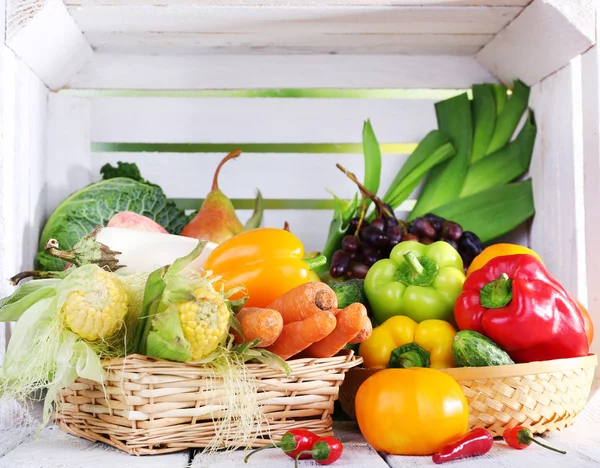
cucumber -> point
(472, 349)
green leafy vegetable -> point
(509, 118)
(95, 204)
(257, 215)
(372, 154)
(123, 169)
(492, 212)
(484, 119)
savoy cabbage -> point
(96, 204)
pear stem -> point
(234, 154)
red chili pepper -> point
(472, 444)
(520, 437)
(292, 443)
(325, 451)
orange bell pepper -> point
(267, 262)
(411, 411)
(498, 250)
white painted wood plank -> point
(279, 176)
(53, 61)
(265, 20)
(68, 147)
(311, 3)
(353, 456)
(127, 71)
(557, 232)
(169, 43)
(22, 170)
(55, 449)
(591, 154)
(542, 39)
(259, 120)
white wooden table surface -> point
(54, 449)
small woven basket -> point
(544, 396)
(149, 406)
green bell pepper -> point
(419, 281)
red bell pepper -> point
(514, 301)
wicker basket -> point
(149, 406)
(544, 396)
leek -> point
(372, 155)
(433, 150)
(484, 118)
(509, 118)
(500, 97)
(492, 212)
(503, 166)
(445, 181)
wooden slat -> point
(55, 449)
(541, 40)
(131, 71)
(314, 3)
(182, 120)
(166, 43)
(591, 154)
(307, 176)
(292, 21)
(558, 227)
(68, 148)
(55, 61)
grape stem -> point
(366, 194)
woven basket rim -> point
(509, 370)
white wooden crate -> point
(84, 82)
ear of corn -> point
(492, 212)
(96, 311)
(445, 181)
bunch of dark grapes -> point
(431, 228)
(373, 241)
(364, 246)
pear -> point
(216, 221)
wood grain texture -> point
(23, 104)
(591, 168)
(541, 40)
(53, 61)
(258, 120)
(558, 228)
(313, 3)
(288, 22)
(130, 71)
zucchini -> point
(472, 349)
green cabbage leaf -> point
(95, 204)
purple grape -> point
(426, 240)
(394, 234)
(451, 230)
(370, 255)
(470, 244)
(339, 263)
(372, 235)
(391, 222)
(409, 237)
(353, 225)
(452, 243)
(379, 223)
(350, 244)
(383, 213)
(424, 229)
(358, 270)
(435, 221)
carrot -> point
(350, 322)
(304, 301)
(365, 332)
(297, 336)
(264, 324)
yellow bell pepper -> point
(402, 342)
(498, 250)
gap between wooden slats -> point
(257, 120)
